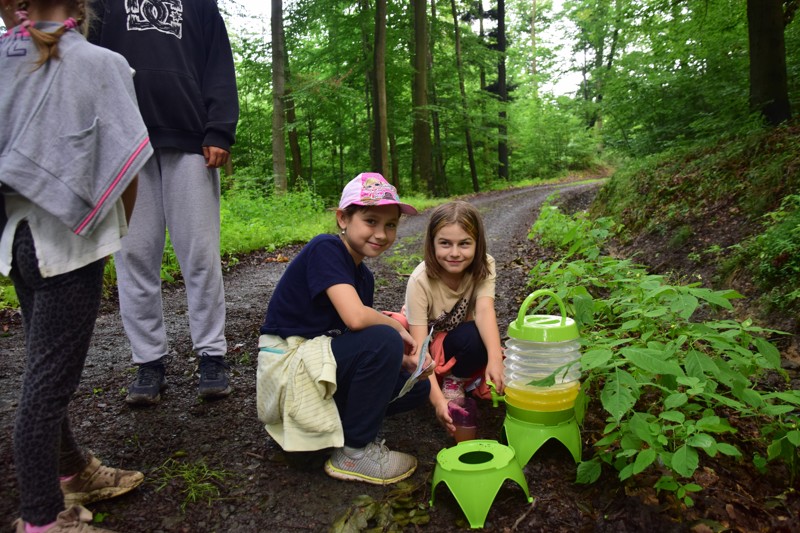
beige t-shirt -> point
(429, 302)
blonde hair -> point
(469, 219)
(47, 42)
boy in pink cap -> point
(354, 359)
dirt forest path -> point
(258, 490)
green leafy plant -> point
(774, 255)
(577, 236)
(397, 509)
(8, 295)
(668, 385)
(244, 358)
(402, 260)
(252, 221)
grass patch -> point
(196, 481)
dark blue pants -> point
(368, 376)
(465, 344)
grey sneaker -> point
(99, 482)
(75, 519)
(374, 464)
(214, 381)
(146, 388)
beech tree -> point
(278, 109)
(502, 92)
(380, 136)
(439, 178)
(769, 93)
(422, 159)
(473, 171)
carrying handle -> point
(520, 321)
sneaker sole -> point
(142, 399)
(145, 399)
(83, 498)
(347, 475)
(215, 394)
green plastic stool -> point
(526, 431)
(474, 471)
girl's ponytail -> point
(47, 42)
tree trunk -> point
(395, 161)
(278, 89)
(533, 44)
(341, 162)
(421, 156)
(464, 108)
(439, 178)
(380, 142)
(291, 122)
(369, 76)
(310, 137)
(486, 152)
(482, 39)
(769, 93)
(502, 92)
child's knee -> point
(387, 343)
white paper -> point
(414, 377)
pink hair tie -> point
(70, 23)
(24, 21)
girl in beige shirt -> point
(452, 291)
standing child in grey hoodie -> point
(71, 145)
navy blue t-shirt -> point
(300, 305)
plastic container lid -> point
(543, 328)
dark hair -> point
(352, 209)
(469, 219)
(47, 42)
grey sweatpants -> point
(176, 193)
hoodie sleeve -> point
(219, 82)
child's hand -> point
(409, 363)
(495, 373)
(410, 348)
(443, 414)
(428, 366)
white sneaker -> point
(374, 464)
(453, 387)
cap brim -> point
(408, 210)
(405, 209)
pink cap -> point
(370, 188)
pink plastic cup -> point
(464, 412)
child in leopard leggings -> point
(71, 144)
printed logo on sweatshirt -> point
(14, 47)
(165, 16)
